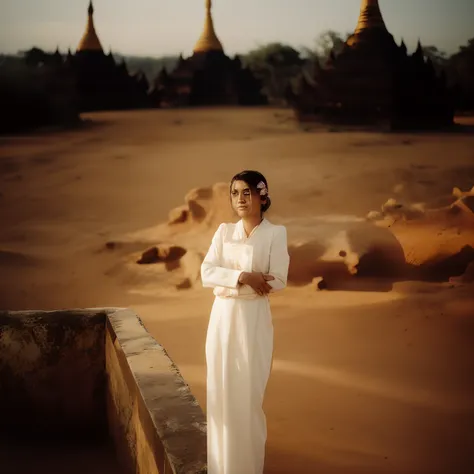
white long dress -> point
(239, 344)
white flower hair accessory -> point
(263, 188)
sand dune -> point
(371, 377)
(332, 251)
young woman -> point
(245, 262)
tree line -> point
(277, 65)
(280, 66)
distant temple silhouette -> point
(208, 77)
(371, 80)
(99, 83)
(374, 81)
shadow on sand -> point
(314, 125)
(79, 125)
(368, 258)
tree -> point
(276, 65)
(149, 66)
(461, 73)
(34, 94)
(438, 57)
(326, 42)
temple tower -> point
(370, 17)
(209, 76)
(90, 41)
(372, 80)
(101, 82)
(208, 41)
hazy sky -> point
(160, 27)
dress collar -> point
(241, 229)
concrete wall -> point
(81, 373)
(52, 372)
(154, 419)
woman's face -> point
(245, 201)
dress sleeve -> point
(279, 259)
(212, 273)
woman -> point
(245, 262)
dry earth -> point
(373, 375)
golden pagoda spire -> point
(370, 16)
(90, 40)
(208, 41)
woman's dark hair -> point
(252, 178)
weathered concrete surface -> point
(46, 456)
(157, 424)
(52, 372)
(70, 373)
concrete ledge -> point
(156, 422)
(82, 372)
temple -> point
(102, 83)
(99, 82)
(374, 81)
(208, 77)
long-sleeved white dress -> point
(239, 344)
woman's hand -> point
(257, 281)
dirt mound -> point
(338, 252)
(165, 253)
(404, 241)
(206, 206)
(443, 267)
(467, 276)
(172, 252)
(457, 206)
(437, 242)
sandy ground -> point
(370, 378)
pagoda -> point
(374, 81)
(103, 84)
(208, 77)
